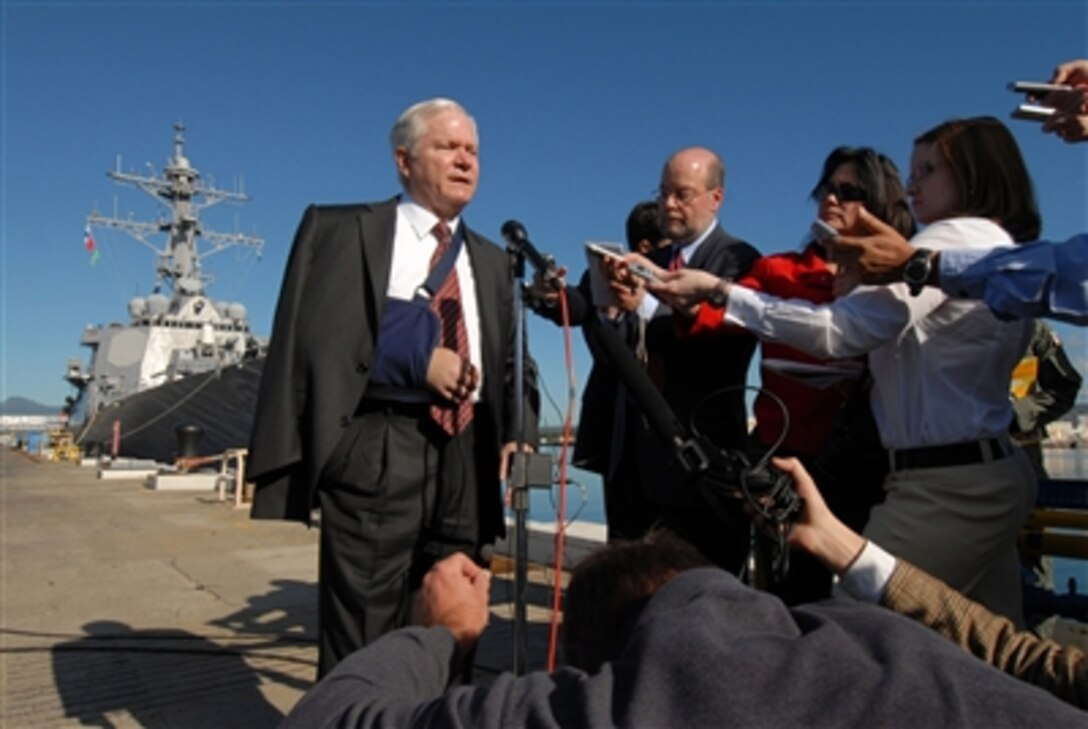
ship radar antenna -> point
(180, 191)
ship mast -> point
(179, 189)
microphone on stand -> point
(517, 240)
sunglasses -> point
(846, 192)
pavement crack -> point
(200, 586)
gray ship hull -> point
(221, 402)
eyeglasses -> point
(684, 195)
(846, 192)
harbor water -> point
(1071, 463)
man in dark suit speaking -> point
(387, 399)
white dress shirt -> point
(413, 245)
(941, 366)
(867, 577)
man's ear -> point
(644, 246)
(718, 194)
(401, 157)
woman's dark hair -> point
(993, 180)
(610, 587)
(878, 177)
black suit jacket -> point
(593, 446)
(696, 367)
(323, 344)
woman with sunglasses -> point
(958, 490)
(814, 414)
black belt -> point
(953, 454)
(393, 407)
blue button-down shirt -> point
(1040, 279)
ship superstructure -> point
(177, 331)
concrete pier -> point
(128, 607)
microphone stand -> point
(518, 474)
(527, 469)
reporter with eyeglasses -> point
(687, 370)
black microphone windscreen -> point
(514, 232)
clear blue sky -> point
(578, 106)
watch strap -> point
(917, 270)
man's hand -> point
(626, 296)
(545, 293)
(455, 594)
(453, 378)
(625, 288)
(1070, 120)
(506, 455)
(686, 288)
(818, 531)
(880, 257)
(1071, 73)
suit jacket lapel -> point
(706, 248)
(377, 228)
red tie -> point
(677, 260)
(446, 304)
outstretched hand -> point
(1070, 121)
(683, 289)
(625, 288)
(1071, 73)
(880, 256)
(818, 531)
(1070, 118)
(544, 292)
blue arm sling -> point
(407, 336)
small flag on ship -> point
(88, 243)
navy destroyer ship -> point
(182, 359)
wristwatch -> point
(917, 269)
(718, 297)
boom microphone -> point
(606, 343)
(718, 472)
(517, 240)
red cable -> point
(561, 512)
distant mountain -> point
(26, 406)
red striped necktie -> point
(677, 260)
(446, 304)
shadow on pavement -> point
(160, 677)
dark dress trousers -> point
(395, 492)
